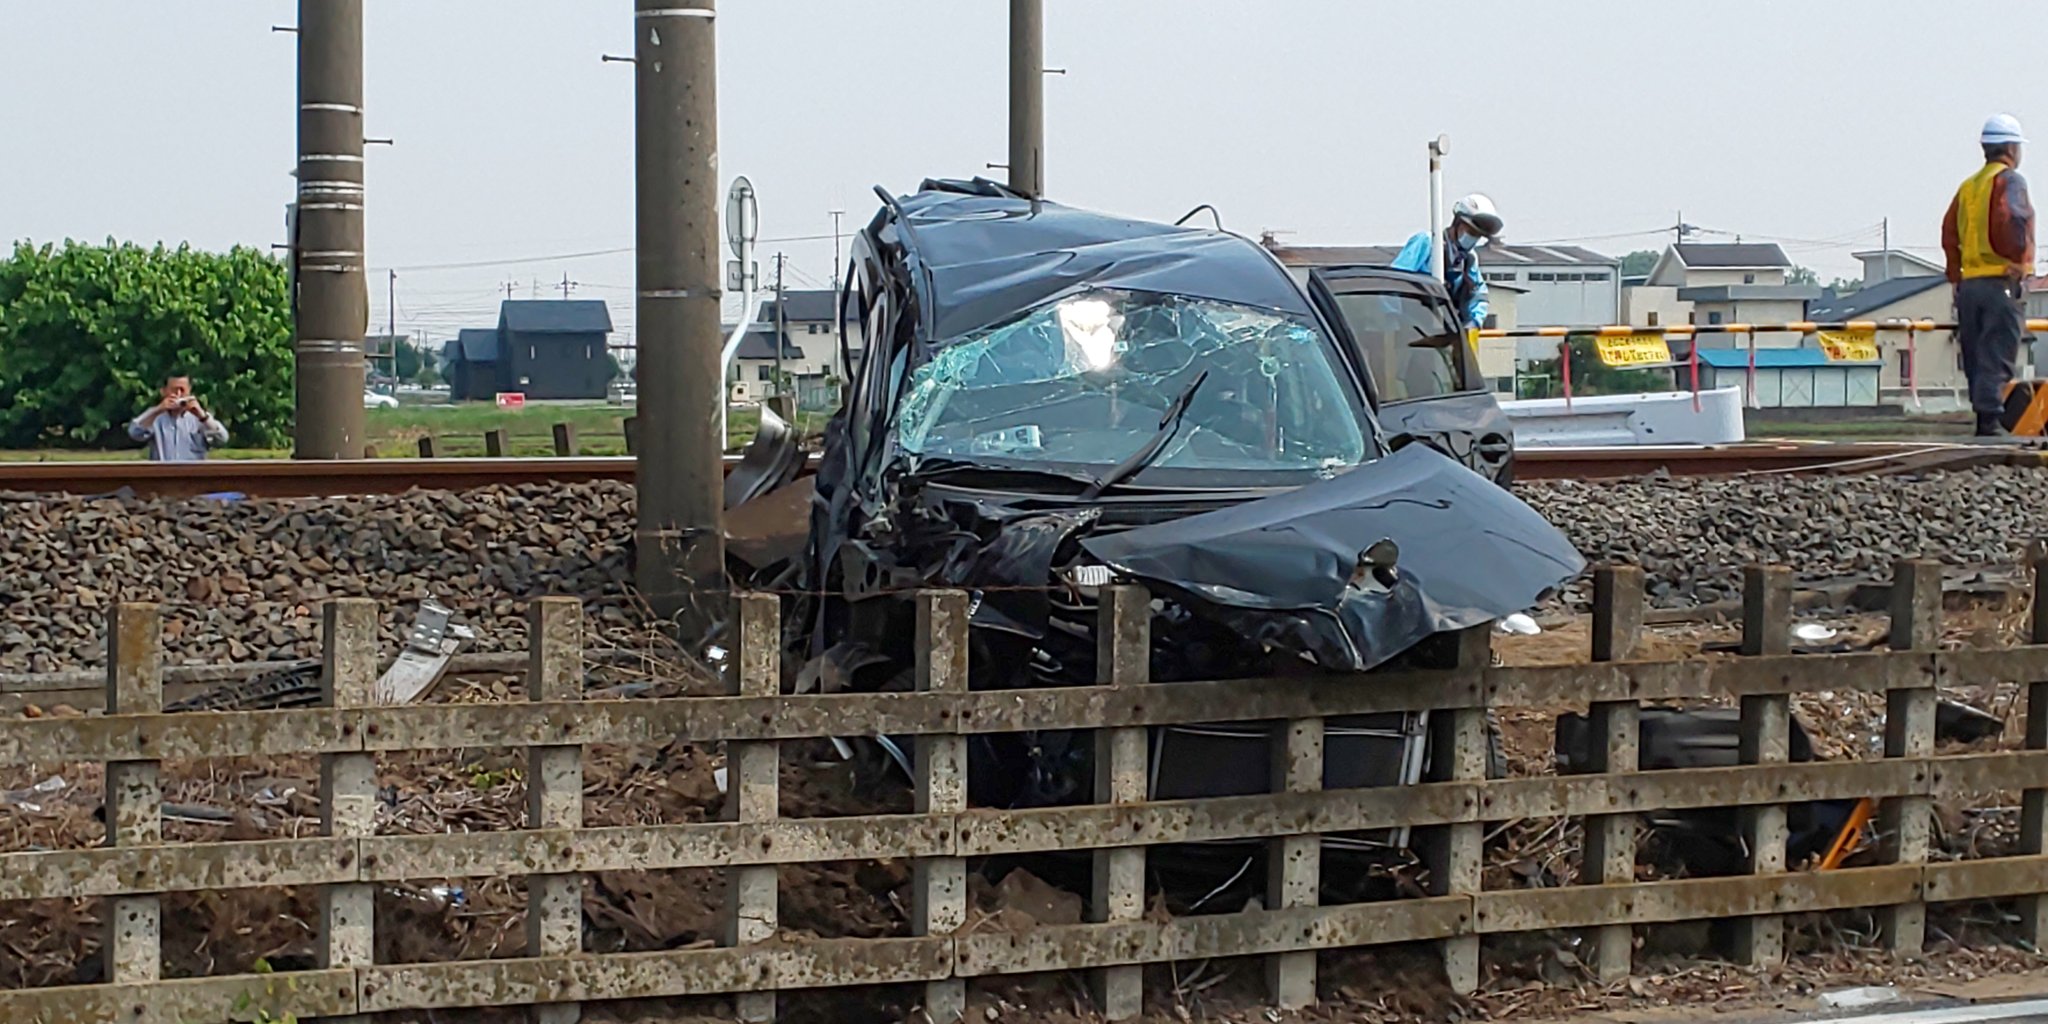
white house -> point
(1881, 265)
(810, 353)
(1555, 285)
(1562, 285)
(1527, 286)
(1734, 283)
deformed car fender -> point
(1307, 570)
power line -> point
(586, 254)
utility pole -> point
(567, 285)
(679, 541)
(781, 321)
(1887, 250)
(836, 214)
(391, 319)
(334, 299)
(1027, 97)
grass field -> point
(458, 431)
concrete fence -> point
(943, 836)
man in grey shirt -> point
(178, 428)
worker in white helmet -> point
(1474, 222)
(1988, 236)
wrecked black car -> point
(1047, 401)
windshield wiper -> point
(932, 468)
(1169, 424)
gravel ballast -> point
(243, 580)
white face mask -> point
(1467, 241)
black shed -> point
(470, 363)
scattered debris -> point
(1519, 624)
(1813, 633)
(428, 649)
(30, 799)
(1856, 998)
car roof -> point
(982, 254)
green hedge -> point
(88, 332)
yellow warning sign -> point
(1643, 349)
(1849, 346)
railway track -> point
(283, 478)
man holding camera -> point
(178, 428)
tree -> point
(1590, 376)
(1638, 263)
(1846, 285)
(409, 361)
(1801, 275)
(88, 333)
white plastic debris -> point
(1813, 633)
(31, 799)
(718, 777)
(1851, 998)
(1519, 624)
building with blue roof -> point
(1792, 378)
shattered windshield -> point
(1087, 380)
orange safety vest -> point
(1973, 226)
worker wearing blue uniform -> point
(1474, 222)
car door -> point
(1420, 369)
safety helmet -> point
(1478, 211)
(2002, 129)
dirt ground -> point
(1539, 976)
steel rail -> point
(282, 478)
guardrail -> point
(350, 859)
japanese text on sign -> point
(1849, 346)
(1647, 349)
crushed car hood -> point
(1290, 570)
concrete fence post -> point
(348, 782)
(1610, 855)
(1123, 657)
(134, 797)
(2034, 802)
(753, 793)
(1765, 738)
(554, 788)
(1904, 824)
(941, 882)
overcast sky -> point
(1588, 120)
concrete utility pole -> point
(1027, 97)
(781, 321)
(679, 542)
(334, 296)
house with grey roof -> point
(1553, 285)
(1723, 283)
(1923, 368)
(542, 348)
(810, 354)
(470, 363)
(555, 348)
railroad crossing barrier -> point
(944, 838)
(1647, 347)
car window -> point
(1087, 380)
(1411, 349)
